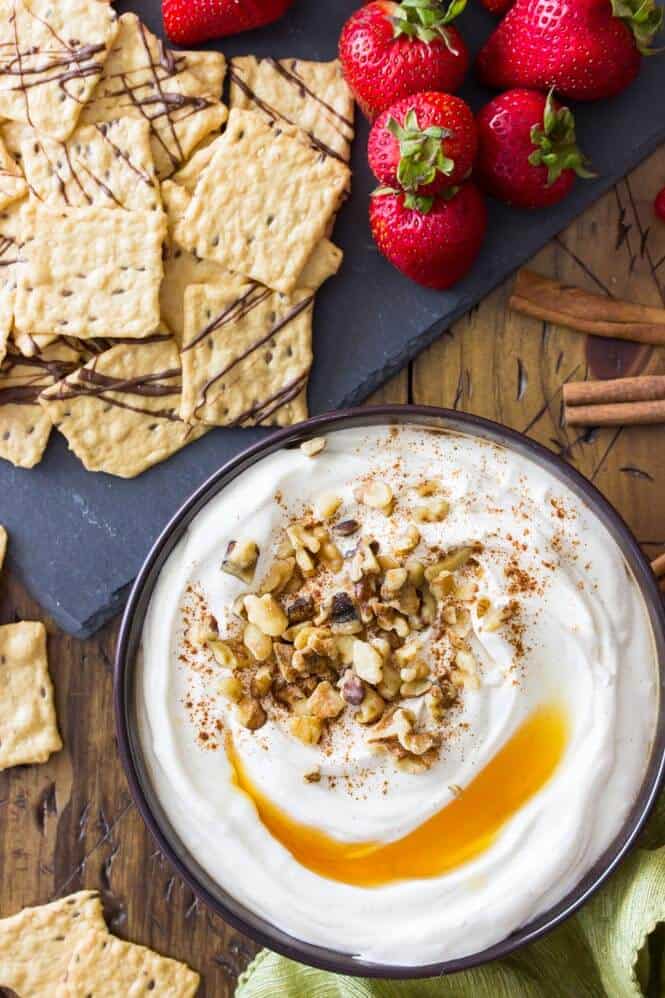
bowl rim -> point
(222, 903)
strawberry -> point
(659, 204)
(585, 49)
(188, 22)
(423, 144)
(498, 7)
(390, 50)
(527, 154)
(436, 247)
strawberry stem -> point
(555, 144)
(643, 17)
(421, 151)
(426, 20)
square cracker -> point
(263, 202)
(182, 268)
(51, 57)
(144, 79)
(24, 426)
(37, 943)
(28, 728)
(120, 412)
(12, 183)
(246, 354)
(108, 164)
(313, 96)
(208, 66)
(88, 271)
(103, 966)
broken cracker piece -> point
(246, 354)
(24, 426)
(88, 271)
(28, 728)
(313, 96)
(37, 943)
(107, 164)
(120, 412)
(263, 202)
(142, 78)
(103, 966)
(51, 57)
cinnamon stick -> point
(566, 305)
(616, 414)
(646, 388)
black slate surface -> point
(77, 539)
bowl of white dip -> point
(392, 704)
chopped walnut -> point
(377, 495)
(353, 690)
(313, 446)
(367, 662)
(240, 559)
(432, 512)
(250, 714)
(306, 729)
(266, 613)
(346, 527)
(278, 576)
(327, 504)
(408, 542)
(230, 687)
(325, 702)
(371, 708)
(257, 643)
(261, 682)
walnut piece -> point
(266, 613)
(313, 446)
(250, 714)
(240, 559)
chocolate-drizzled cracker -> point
(120, 412)
(144, 79)
(264, 201)
(313, 96)
(24, 426)
(109, 164)
(10, 222)
(12, 184)
(246, 354)
(182, 268)
(51, 57)
(88, 271)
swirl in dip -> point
(399, 695)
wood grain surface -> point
(71, 823)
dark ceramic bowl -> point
(144, 794)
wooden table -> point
(71, 823)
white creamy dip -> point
(588, 646)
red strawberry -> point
(659, 204)
(423, 144)
(498, 7)
(390, 50)
(437, 247)
(188, 22)
(527, 153)
(585, 49)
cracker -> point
(24, 426)
(107, 164)
(120, 412)
(263, 202)
(13, 134)
(51, 57)
(209, 67)
(10, 235)
(37, 943)
(103, 966)
(3, 544)
(89, 271)
(144, 79)
(32, 346)
(313, 96)
(12, 184)
(28, 728)
(246, 355)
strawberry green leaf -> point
(416, 202)
(422, 155)
(555, 144)
(426, 20)
(644, 18)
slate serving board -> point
(78, 539)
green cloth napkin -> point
(605, 950)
